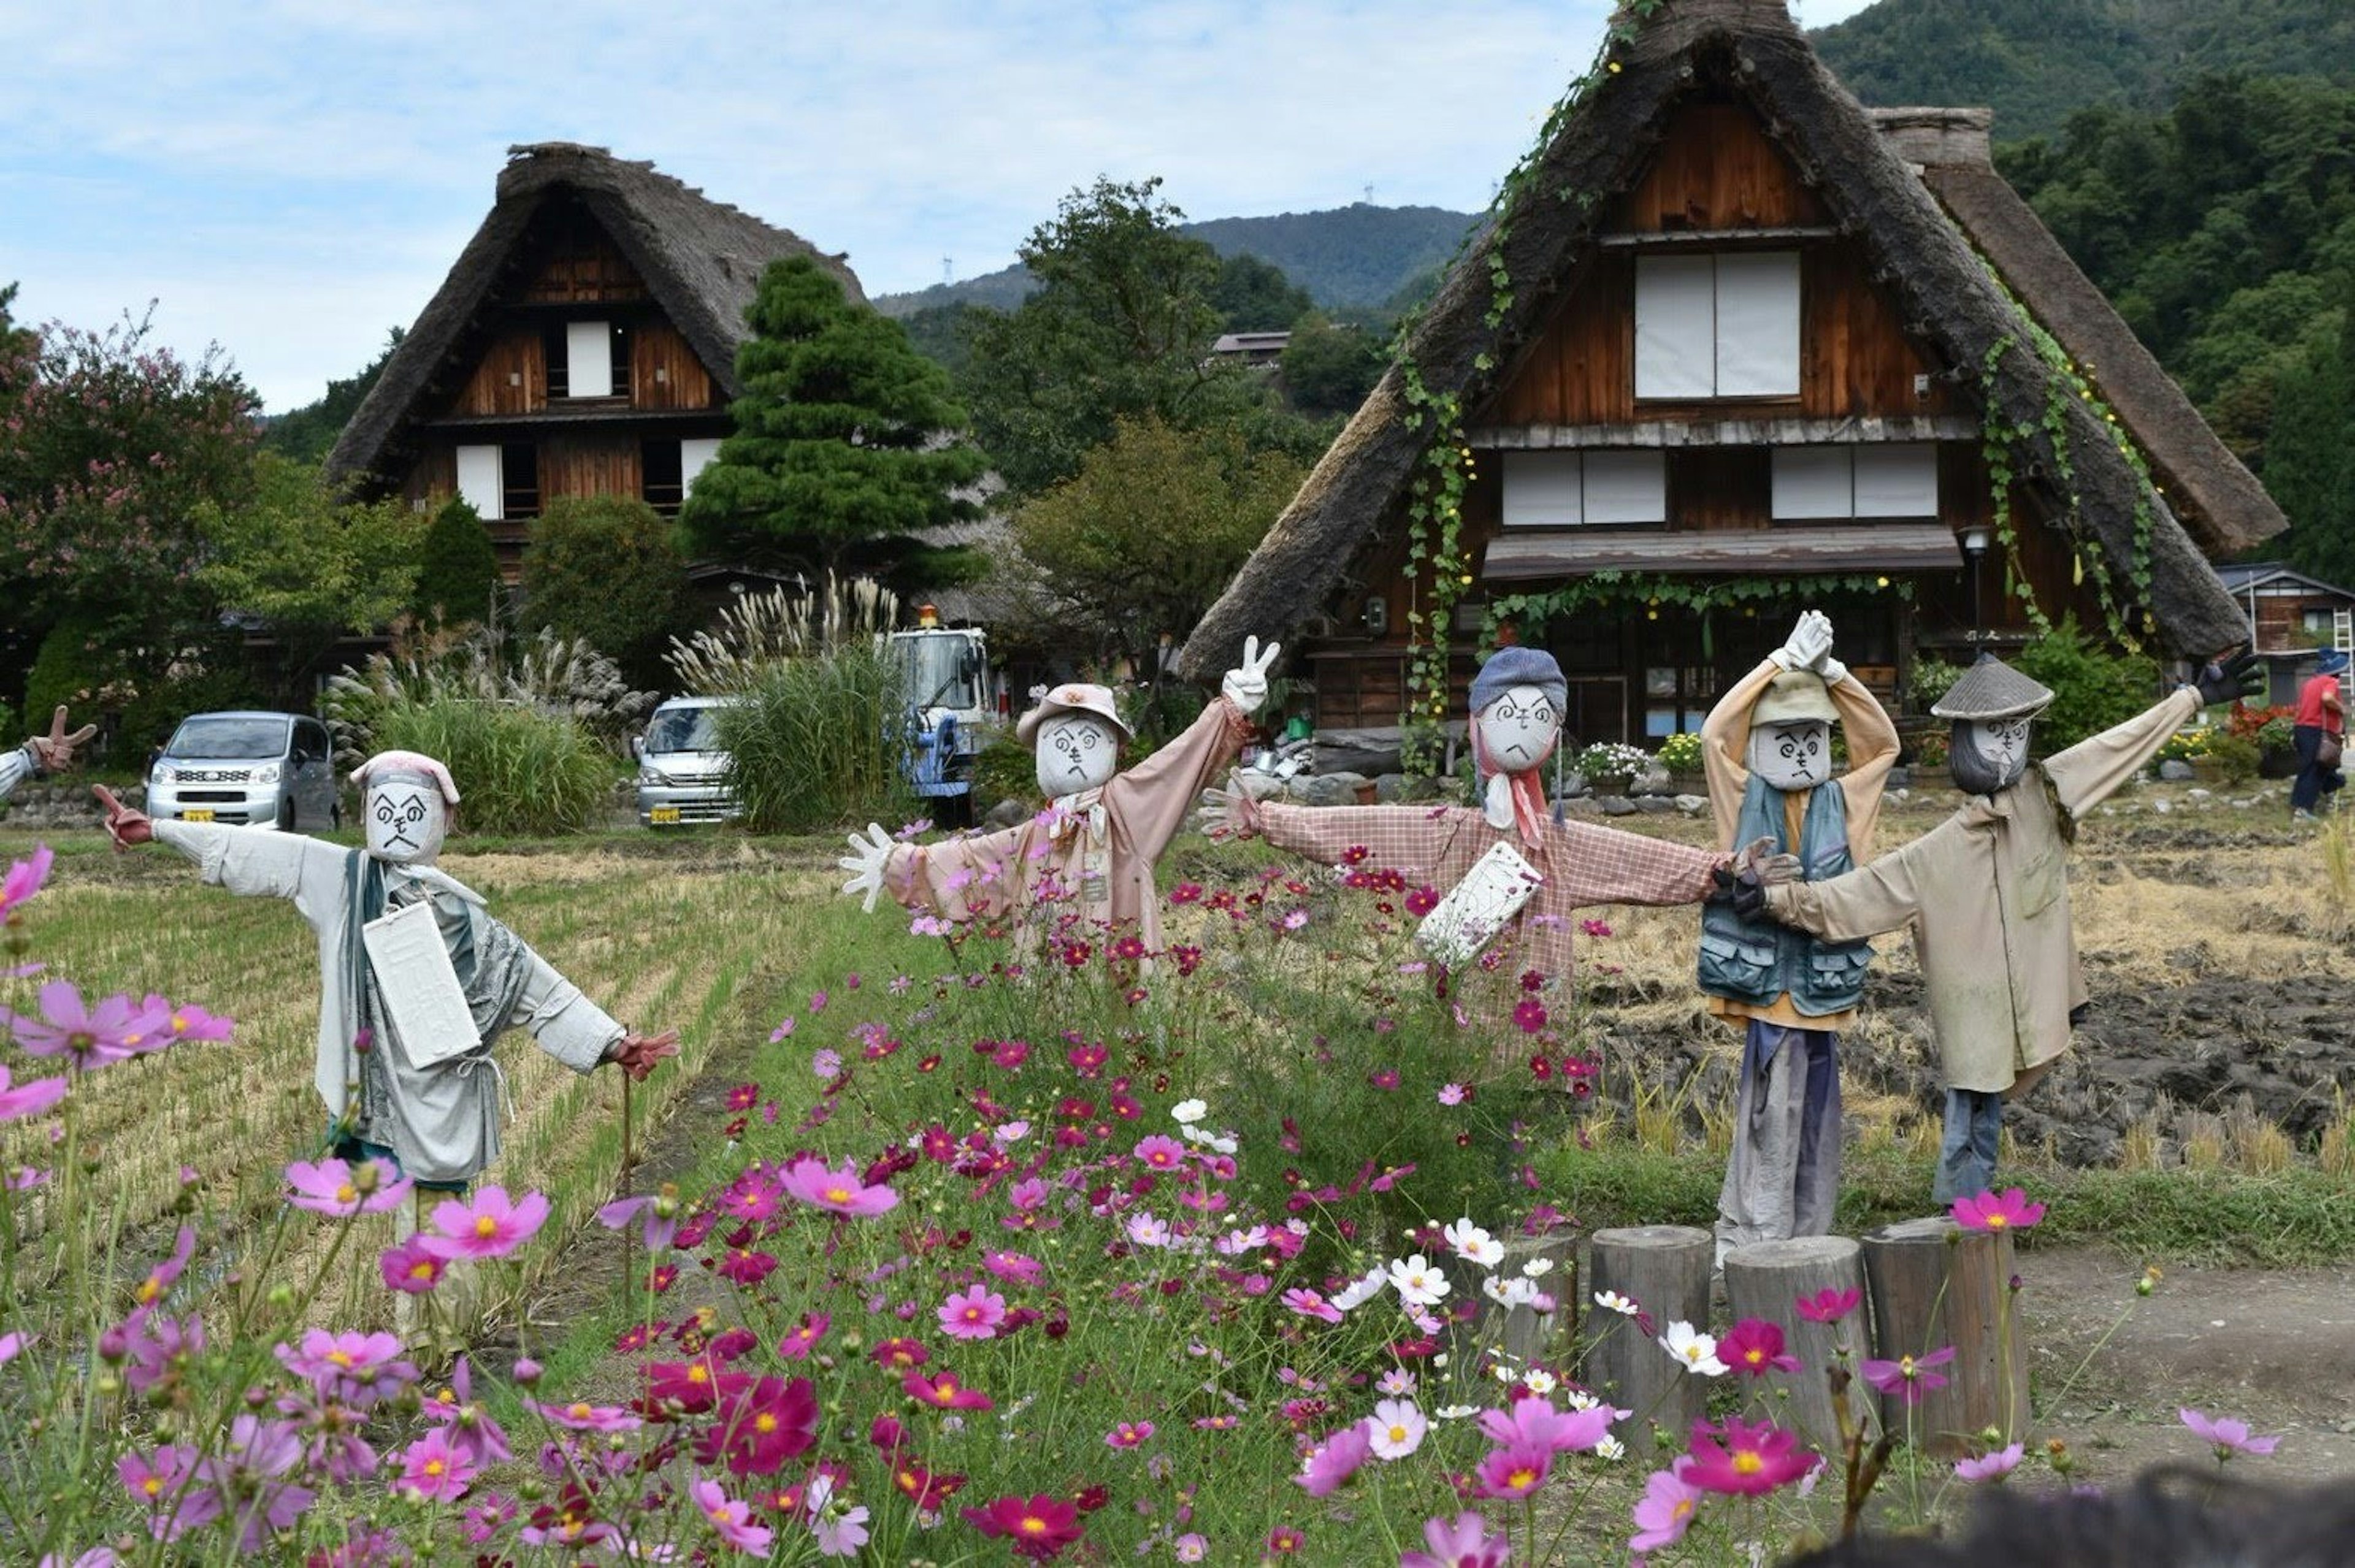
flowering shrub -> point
(1680, 752)
(1612, 759)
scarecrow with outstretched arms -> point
(42, 754)
(1766, 748)
(429, 1103)
(1986, 892)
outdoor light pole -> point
(1975, 543)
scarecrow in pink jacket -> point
(1091, 854)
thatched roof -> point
(1942, 291)
(2214, 496)
(701, 259)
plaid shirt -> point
(1582, 864)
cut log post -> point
(1766, 1280)
(1933, 1285)
(1665, 1270)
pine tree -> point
(846, 442)
(461, 572)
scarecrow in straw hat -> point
(1766, 748)
(430, 1106)
(1516, 716)
(1986, 892)
(42, 754)
(1093, 850)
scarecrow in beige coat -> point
(1987, 894)
(1089, 856)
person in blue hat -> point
(2321, 730)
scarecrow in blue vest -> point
(1766, 749)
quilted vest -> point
(1756, 961)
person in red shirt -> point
(2321, 714)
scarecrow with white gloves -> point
(1766, 749)
(1986, 892)
(1093, 851)
(425, 1096)
(42, 754)
(1518, 700)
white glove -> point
(1832, 670)
(865, 862)
(1809, 643)
(1246, 685)
(1230, 813)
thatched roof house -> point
(583, 343)
(1878, 292)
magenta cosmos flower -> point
(583, 1416)
(973, 1314)
(943, 1392)
(91, 1038)
(1754, 1346)
(1466, 1543)
(1536, 1424)
(410, 1268)
(1744, 1460)
(24, 878)
(1516, 1470)
(28, 1099)
(1038, 1527)
(334, 1187)
(1829, 1305)
(1908, 1375)
(2007, 1210)
(732, 1520)
(1666, 1509)
(434, 1469)
(490, 1227)
(2228, 1436)
(839, 1191)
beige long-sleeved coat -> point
(1988, 891)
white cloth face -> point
(1518, 728)
(1076, 752)
(2000, 746)
(1792, 756)
(407, 819)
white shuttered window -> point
(694, 455)
(1718, 326)
(481, 483)
(588, 359)
(1870, 481)
(1675, 326)
(1566, 489)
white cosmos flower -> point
(1417, 1281)
(1147, 1231)
(1396, 1428)
(1611, 1448)
(1457, 1411)
(1697, 1350)
(1216, 1142)
(1358, 1292)
(1611, 1301)
(1508, 1291)
(1537, 1268)
(1190, 1110)
(1539, 1381)
(1398, 1382)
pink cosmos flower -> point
(1157, 1152)
(490, 1227)
(1992, 1467)
(1128, 1434)
(799, 1342)
(187, 1021)
(24, 878)
(1309, 1303)
(1667, 1510)
(1907, 1375)
(434, 1470)
(2009, 1210)
(943, 1392)
(1455, 1095)
(410, 1268)
(10, 1344)
(1596, 928)
(841, 1191)
(973, 1314)
(1744, 1460)
(1515, 1471)
(1756, 1346)
(1535, 1424)
(1466, 1543)
(583, 1416)
(2228, 1434)
(732, 1520)
(116, 1029)
(333, 1186)
(1014, 1266)
(1829, 1305)
(356, 1368)
(657, 1229)
(28, 1099)
(161, 1483)
(1334, 1461)
(840, 1534)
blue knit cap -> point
(1509, 667)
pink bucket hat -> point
(1072, 697)
(418, 763)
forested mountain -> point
(2036, 62)
(1351, 257)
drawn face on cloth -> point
(1519, 729)
(1792, 756)
(1987, 754)
(407, 819)
(1075, 752)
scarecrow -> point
(1766, 748)
(1987, 894)
(1517, 714)
(42, 754)
(427, 1099)
(1094, 848)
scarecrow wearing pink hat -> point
(42, 754)
(1091, 854)
(416, 978)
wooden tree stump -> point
(1665, 1270)
(1935, 1284)
(1766, 1280)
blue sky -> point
(288, 179)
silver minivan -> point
(261, 770)
(681, 769)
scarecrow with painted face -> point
(433, 1106)
(1986, 892)
(1518, 701)
(42, 754)
(1093, 850)
(1766, 749)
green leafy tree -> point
(1120, 328)
(2310, 458)
(309, 432)
(1251, 295)
(607, 569)
(459, 581)
(1329, 367)
(847, 442)
(1148, 532)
